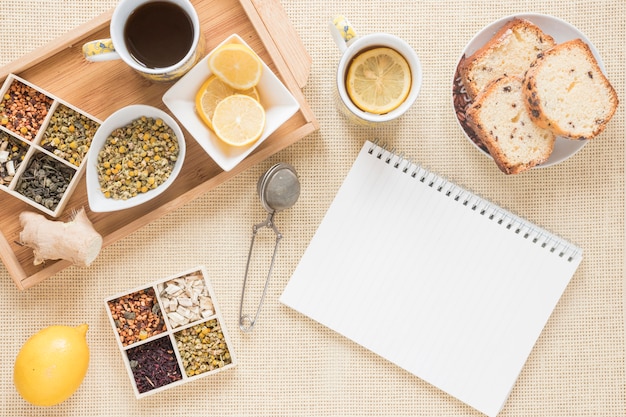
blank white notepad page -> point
(436, 280)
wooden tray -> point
(101, 88)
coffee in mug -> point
(158, 34)
(160, 39)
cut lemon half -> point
(378, 80)
(236, 65)
(213, 91)
(239, 120)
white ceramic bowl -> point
(278, 102)
(126, 115)
(561, 31)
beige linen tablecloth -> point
(290, 365)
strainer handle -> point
(246, 323)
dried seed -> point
(45, 180)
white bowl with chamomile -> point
(135, 155)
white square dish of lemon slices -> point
(278, 104)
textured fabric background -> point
(290, 365)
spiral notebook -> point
(431, 277)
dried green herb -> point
(45, 180)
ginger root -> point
(75, 241)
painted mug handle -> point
(100, 50)
(342, 32)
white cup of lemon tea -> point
(378, 77)
(160, 39)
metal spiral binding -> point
(477, 204)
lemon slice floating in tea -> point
(378, 80)
(213, 91)
(236, 65)
(238, 120)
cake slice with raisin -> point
(565, 91)
(499, 117)
(508, 52)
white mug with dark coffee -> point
(160, 39)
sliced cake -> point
(565, 91)
(509, 52)
(499, 117)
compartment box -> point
(170, 332)
(101, 89)
(43, 145)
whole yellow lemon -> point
(52, 364)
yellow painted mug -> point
(351, 45)
(161, 40)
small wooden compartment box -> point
(103, 88)
(170, 332)
(44, 143)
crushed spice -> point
(137, 316)
(23, 109)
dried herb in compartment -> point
(137, 316)
(154, 364)
(12, 153)
(69, 134)
(203, 348)
(23, 109)
(186, 299)
(45, 180)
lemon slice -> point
(239, 120)
(213, 91)
(236, 65)
(378, 80)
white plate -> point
(278, 102)
(124, 116)
(561, 31)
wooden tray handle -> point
(285, 36)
